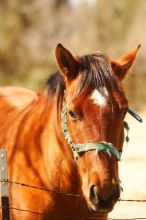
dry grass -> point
(133, 172)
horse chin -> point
(98, 208)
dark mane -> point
(95, 70)
(56, 84)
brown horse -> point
(65, 144)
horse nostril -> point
(116, 193)
(93, 195)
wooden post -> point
(4, 185)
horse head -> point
(95, 106)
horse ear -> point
(122, 65)
(68, 65)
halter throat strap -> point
(134, 115)
(80, 148)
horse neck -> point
(60, 151)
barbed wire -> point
(116, 218)
(22, 210)
(132, 200)
(67, 194)
(43, 189)
(137, 218)
(63, 193)
(84, 217)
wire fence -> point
(6, 206)
(69, 217)
(64, 193)
(11, 207)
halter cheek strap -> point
(80, 148)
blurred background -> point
(31, 29)
(29, 33)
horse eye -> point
(72, 114)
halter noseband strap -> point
(79, 148)
(98, 146)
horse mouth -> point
(102, 205)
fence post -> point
(4, 185)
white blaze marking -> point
(98, 98)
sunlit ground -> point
(133, 173)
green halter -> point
(79, 148)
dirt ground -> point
(133, 172)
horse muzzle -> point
(98, 203)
